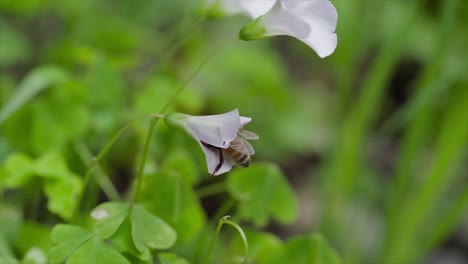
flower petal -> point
(251, 8)
(256, 8)
(214, 158)
(244, 121)
(324, 44)
(278, 21)
(216, 130)
(320, 15)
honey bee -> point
(239, 150)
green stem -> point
(191, 77)
(211, 189)
(221, 222)
(113, 139)
(169, 50)
(139, 177)
(101, 154)
(101, 178)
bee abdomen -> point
(239, 158)
(244, 160)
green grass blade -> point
(36, 81)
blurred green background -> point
(373, 139)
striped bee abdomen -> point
(237, 157)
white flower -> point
(251, 8)
(311, 21)
(99, 214)
(214, 134)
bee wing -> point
(248, 134)
(243, 146)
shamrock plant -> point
(157, 216)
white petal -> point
(320, 15)
(251, 8)
(278, 21)
(244, 121)
(216, 130)
(323, 44)
(311, 21)
(213, 159)
(254, 8)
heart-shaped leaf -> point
(109, 216)
(310, 249)
(151, 231)
(96, 251)
(18, 169)
(67, 239)
(62, 187)
(174, 201)
(263, 191)
(122, 240)
(63, 195)
(260, 244)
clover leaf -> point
(96, 251)
(175, 202)
(109, 217)
(151, 231)
(67, 239)
(310, 249)
(263, 192)
(79, 245)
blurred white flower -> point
(311, 21)
(99, 214)
(214, 134)
(251, 8)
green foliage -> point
(132, 229)
(367, 147)
(175, 202)
(169, 258)
(35, 82)
(79, 245)
(150, 231)
(263, 192)
(266, 248)
(14, 46)
(309, 249)
(60, 184)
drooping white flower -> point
(310, 21)
(214, 134)
(251, 8)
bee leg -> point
(221, 161)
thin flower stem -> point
(192, 76)
(101, 178)
(211, 189)
(115, 137)
(221, 222)
(169, 50)
(139, 177)
(101, 154)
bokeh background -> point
(373, 139)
